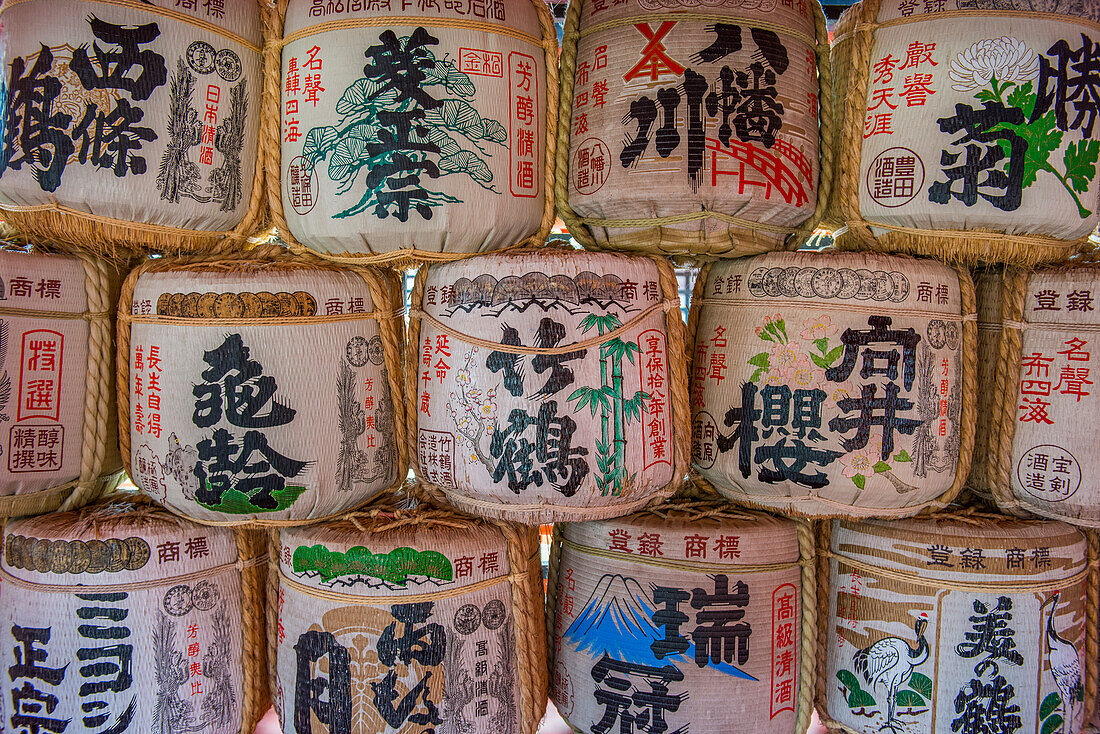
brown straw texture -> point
(967, 418)
(271, 137)
(678, 399)
(741, 237)
(693, 503)
(852, 59)
(73, 230)
(391, 513)
(380, 285)
(100, 463)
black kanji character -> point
(110, 140)
(983, 139)
(425, 643)
(31, 126)
(670, 618)
(716, 638)
(116, 65)
(1082, 88)
(235, 384)
(642, 711)
(327, 699)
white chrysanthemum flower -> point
(1006, 58)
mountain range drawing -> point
(617, 620)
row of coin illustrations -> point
(405, 617)
(433, 132)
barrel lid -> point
(39, 282)
(518, 14)
(880, 282)
(968, 548)
(703, 535)
(112, 542)
(403, 553)
(262, 289)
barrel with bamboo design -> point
(549, 384)
(394, 620)
(966, 129)
(956, 623)
(1042, 459)
(832, 384)
(440, 146)
(261, 391)
(122, 617)
(694, 128)
(704, 612)
(58, 436)
(132, 125)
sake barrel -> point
(544, 397)
(967, 135)
(405, 620)
(436, 147)
(58, 436)
(833, 384)
(260, 391)
(693, 129)
(1042, 461)
(121, 617)
(956, 624)
(131, 124)
(692, 615)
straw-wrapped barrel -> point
(833, 384)
(968, 128)
(122, 617)
(693, 128)
(1042, 452)
(131, 125)
(548, 384)
(400, 131)
(957, 623)
(690, 613)
(261, 391)
(397, 620)
(58, 435)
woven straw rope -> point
(1092, 615)
(271, 129)
(678, 399)
(852, 58)
(99, 467)
(381, 289)
(524, 580)
(742, 236)
(113, 238)
(968, 416)
(699, 504)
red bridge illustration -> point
(776, 171)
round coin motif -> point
(494, 614)
(467, 619)
(951, 331)
(900, 287)
(787, 282)
(13, 551)
(228, 64)
(356, 351)
(228, 306)
(118, 555)
(177, 600)
(61, 556)
(40, 555)
(883, 286)
(771, 282)
(253, 306)
(139, 553)
(205, 595)
(756, 282)
(866, 285)
(201, 57)
(375, 353)
(81, 558)
(826, 282)
(937, 334)
(97, 556)
(849, 284)
(804, 282)
(307, 304)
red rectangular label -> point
(40, 375)
(653, 378)
(525, 121)
(481, 62)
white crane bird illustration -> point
(890, 662)
(1065, 664)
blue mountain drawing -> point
(617, 620)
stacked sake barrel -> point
(131, 126)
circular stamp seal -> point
(1049, 473)
(228, 64)
(895, 177)
(177, 600)
(467, 619)
(201, 57)
(374, 350)
(494, 614)
(591, 166)
(301, 186)
(205, 595)
(356, 351)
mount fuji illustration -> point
(617, 620)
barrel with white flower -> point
(131, 125)
(549, 384)
(974, 128)
(413, 132)
(695, 606)
(693, 129)
(833, 384)
(1042, 462)
(58, 436)
(121, 617)
(260, 390)
(957, 624)
(400, 620)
